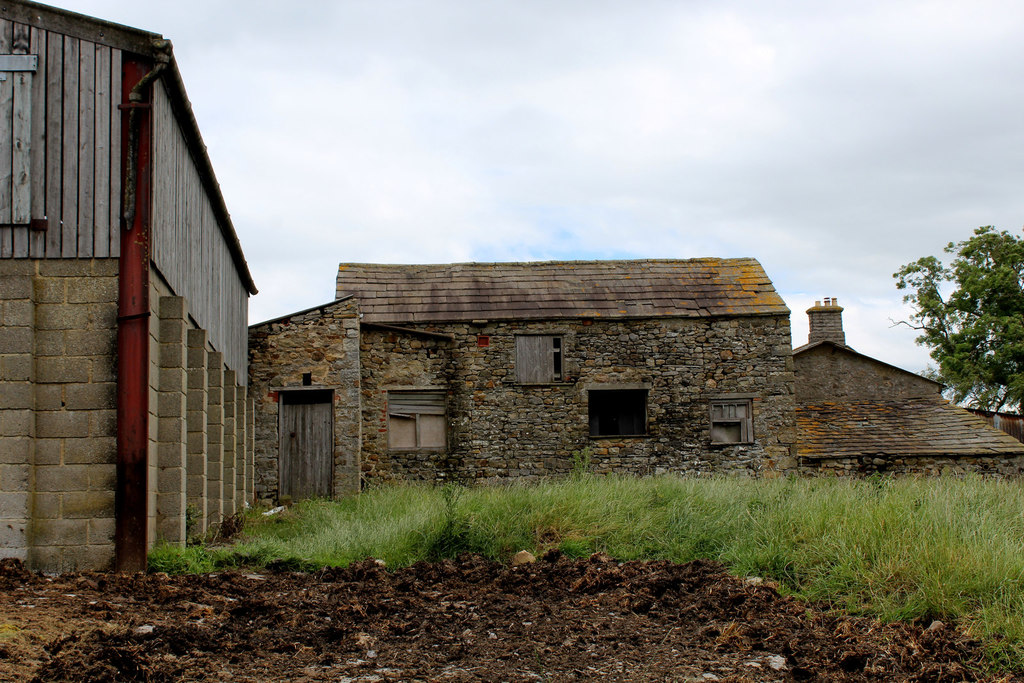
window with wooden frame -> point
(732, 421)
(416, 421)
(538, 358)
(617, 412)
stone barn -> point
(857, 415)
(123, 301)
(483, 372)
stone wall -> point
(831, 373)
(57, 412)
(323, 342)
(499, 429)
(986, 466)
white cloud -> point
(832, 141)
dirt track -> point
(464, 620)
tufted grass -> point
(897, 549)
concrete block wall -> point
(57, 412)
(58, 417)
(230, 442)
(241, 424)
(171, 430)
(196, 421)
(215, 437)
(17, 401)
(199, 448)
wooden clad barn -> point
(123, 344)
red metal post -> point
(131, 501)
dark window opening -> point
(732, 421)
(538, 359)
(617, 412)
(307, 379)
(416, 420)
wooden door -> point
(307, 443)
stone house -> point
(123, 301)
(491, 371)
(857, 415)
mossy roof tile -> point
(928, 426)
(560, 289)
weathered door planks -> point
(307, 443)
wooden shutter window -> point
(16, 138)
(731, 422)
(538, 359)
(416, 420)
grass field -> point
(898, 549)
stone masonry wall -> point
(57, 412)
(325, 343)
(499, 429)
(985, 466)
(828, 373)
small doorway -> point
(306, 432)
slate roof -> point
(929, 426)
(560, 289)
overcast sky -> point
(832, 141)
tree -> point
(971, 315)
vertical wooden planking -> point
(6, 124)
(306, 445)
(188, 247)
(21, 161)
(69, 151)
(179, 196)
(37, 239)
(101, 168)
(158, 212)
(185, 211)
(115, 153)
(86, 146)
(54, 141)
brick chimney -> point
(826, 322)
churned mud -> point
(469, 619)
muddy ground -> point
(465, 620)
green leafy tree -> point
(971, 315)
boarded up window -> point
(15, 137)
(617, 412)
(538, 359)
(416, 420)
(732, 421)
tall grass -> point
(910, 549)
